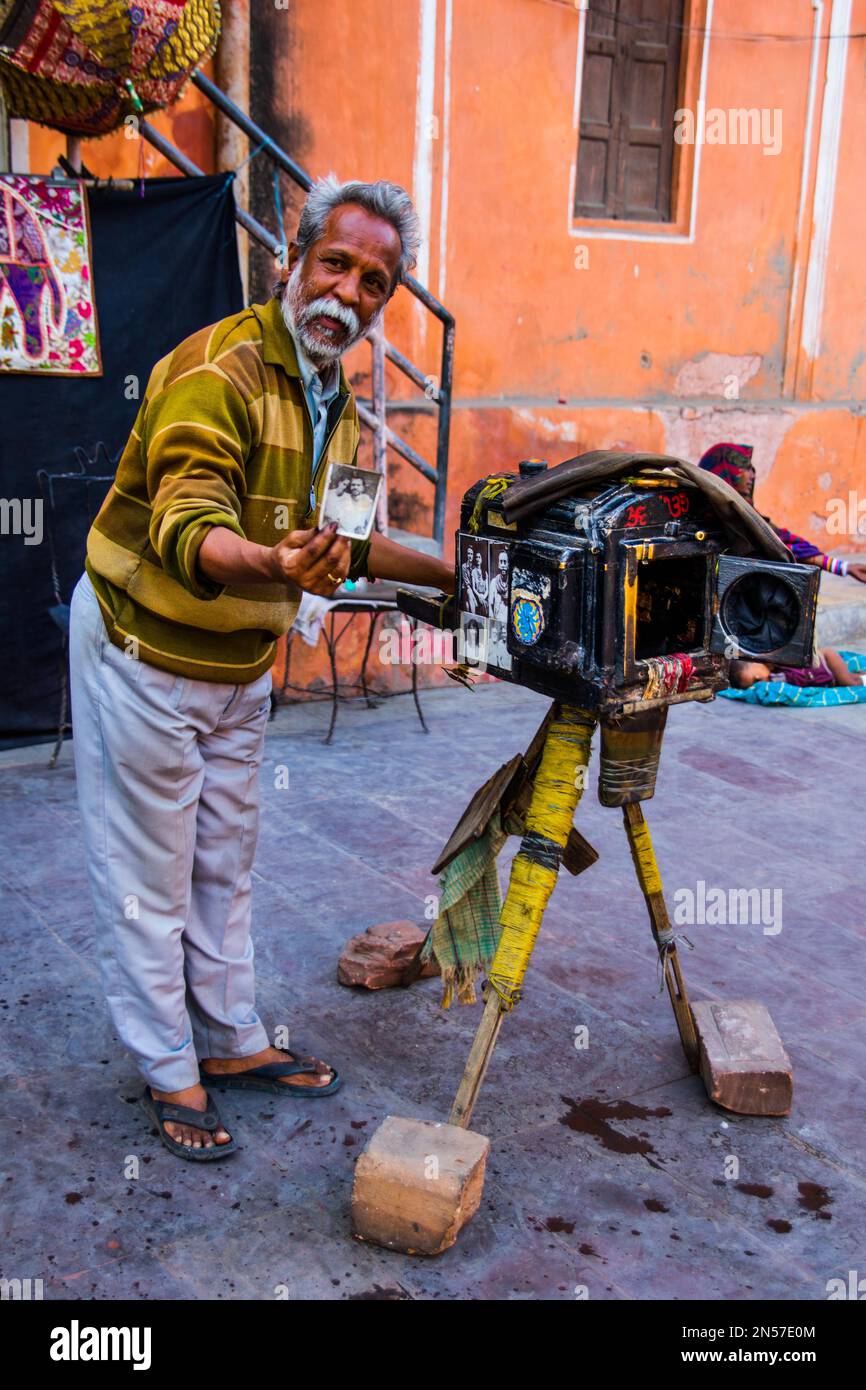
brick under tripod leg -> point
(558, 786)
(733, 1043)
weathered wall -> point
(744, 319)
(639, 339)
(567, 339)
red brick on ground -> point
(744, 1065)
(417, 1184)
(377, 957)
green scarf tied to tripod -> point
(464, 937)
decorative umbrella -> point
(83, 66)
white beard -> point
(297, 316)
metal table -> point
(352, 608)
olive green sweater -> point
(222, 438)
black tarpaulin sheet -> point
(165, 264)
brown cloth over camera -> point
(748, 532)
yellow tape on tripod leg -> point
(555, 795)
(643, 854)
(557, 787)
(530, 887)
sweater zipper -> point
(324, 454)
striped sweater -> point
(222, 438)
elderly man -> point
(195, 566)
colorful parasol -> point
(84, 66)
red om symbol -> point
(677, 504)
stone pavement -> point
(610, 1170)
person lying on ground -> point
(830, 670)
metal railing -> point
(439, 392)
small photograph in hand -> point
(350, 498)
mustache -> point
(334, 310)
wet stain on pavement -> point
(592, 1116)
(379, 1294)
(814, 1198)
(557, 1223)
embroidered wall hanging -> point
(47, 309)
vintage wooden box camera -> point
(590, 597)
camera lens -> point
(761, 612)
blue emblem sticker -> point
(527, 620)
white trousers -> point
(167, 772)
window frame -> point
(691, 90)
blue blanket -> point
(779, 693)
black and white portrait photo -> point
(497, 646)
(474, 574)
(349, 498)
(475, 637)
(497, 597)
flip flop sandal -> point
(161, 1110)
(266, 1078)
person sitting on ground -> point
(733, 464)
(831, 669)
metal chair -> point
(66, 532)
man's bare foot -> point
(324, 1073)
(196, 1098)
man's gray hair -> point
(383, 199)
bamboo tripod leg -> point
(575, 731)
(476, 1063)
(649, 879)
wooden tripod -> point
(734, 1044)
(558, 785)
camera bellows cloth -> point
(748, 533)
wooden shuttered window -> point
(631, 72)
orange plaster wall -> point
(840, 370)
(533, 324)
(823, 457)
(630, 352)
(633, 350)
